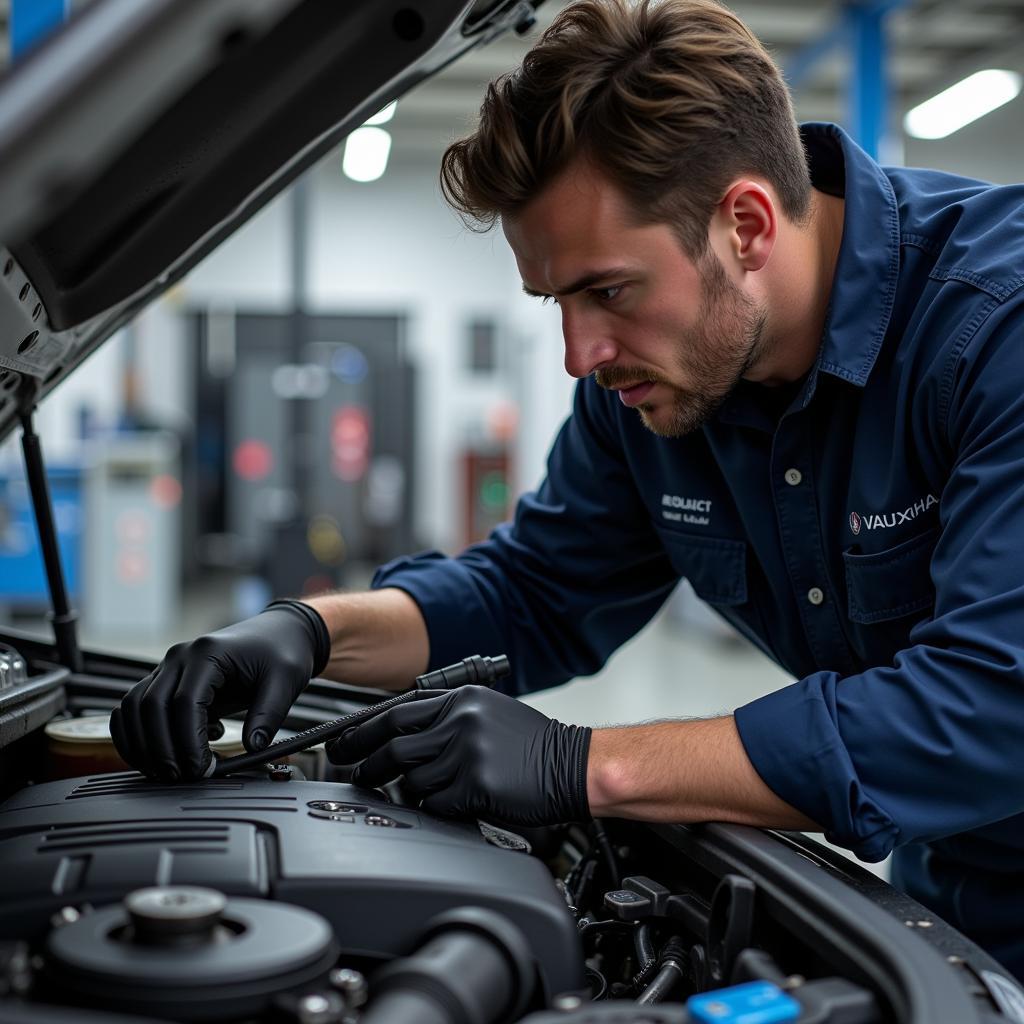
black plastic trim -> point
(808, 890)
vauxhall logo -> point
(881, 521)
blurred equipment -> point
(318, 451)
(23, 583)
(133, 509)
(488, 490)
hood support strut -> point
(63, 616)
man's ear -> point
(748, 219)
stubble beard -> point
(727, 341)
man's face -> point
(672, 337)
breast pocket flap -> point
(715, 567)
(892, 583)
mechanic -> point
(801, 388)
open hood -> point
(145, 132)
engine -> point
(268, 895)
(283, 879)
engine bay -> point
(285, 893)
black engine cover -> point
(378, 873)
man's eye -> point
(608, 294)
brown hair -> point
(671, 99)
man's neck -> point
(802, 287)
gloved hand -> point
(474, 753)
(263, 663)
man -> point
(802, 388)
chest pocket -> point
(716, 568)
(892, 583)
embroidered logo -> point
(695, 511)
(885, 520)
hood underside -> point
(105, 201)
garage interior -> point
(431, 385)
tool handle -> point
(482, 671)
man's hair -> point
(669, 99)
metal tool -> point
(476, 669)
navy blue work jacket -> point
(865, 529)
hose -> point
(474, 967)
(646, 956)
(605, 847)
(671, 971)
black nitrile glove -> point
(474, 753)
(263, 664)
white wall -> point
(394, 245)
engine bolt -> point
(351, 984)
(318, 1009)
(566, 1003)
(66, 915)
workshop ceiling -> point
(932, 43)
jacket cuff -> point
(459, 622)
(795, 746)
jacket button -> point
(815, 595)
(793, 477)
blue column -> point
(868, 92)
(31, 20)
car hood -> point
(141, 135)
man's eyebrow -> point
(588, 279)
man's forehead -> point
(578, 203)
(579, 218)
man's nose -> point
(587, 346)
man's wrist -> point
(328, 607)
(607, 773)
(378, 638)
(321, 645)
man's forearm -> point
(377, 639)
(682, 772)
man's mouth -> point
(636, 394)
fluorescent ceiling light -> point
(385, 115)
(960, 104)
(366, 154)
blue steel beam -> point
(802, 62)
(861, 29)
(868, 93)
(31, 20)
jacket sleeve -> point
(578, 571)
(929, 746)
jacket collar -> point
(867, 271)
(866, 275)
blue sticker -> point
(757, 1002)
